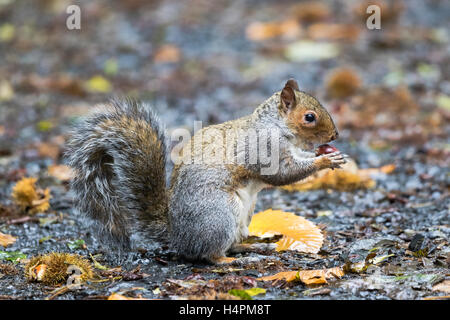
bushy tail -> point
(118, 155)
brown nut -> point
(325, 149)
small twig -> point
(62, 290)
(23, 220)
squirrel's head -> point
(305, 116)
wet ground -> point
(196, 60)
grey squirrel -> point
(119, 154)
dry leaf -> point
(298, 233)
(346, 179)
(29, 198)
(49, 150)
(61, 172)
(6, 239)
(333, 31)
(444, 286)
(311, 11)
(342, 82)
(167, 53)
(306, 276)
(288, 276)
(387, 169)
(116, 296)
(259, 31)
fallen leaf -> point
(437, 298)
(111, 67)
(247, 294)
(306, 276)
(342, 82)
(348, 178)
(311, 11)
(6, 91)
(444, 286)
(98, 84)
(29, 198)
(6, 239)
(49, 150)
(116, 296)
(45, 125)
(259, 31)
(443, 101)
(13, 256)
(298, 233)
(167, 53)
(61, 172)
(333, 31)
(76, 244)
(7, 32)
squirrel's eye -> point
(310, 117)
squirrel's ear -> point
(293, 84)
(287, 97)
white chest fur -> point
(298, 154)
(246, 199)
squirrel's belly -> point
(246, 199)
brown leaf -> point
(444, 286)
(259, 31)
(61, 172)
(333, 31)
(311, 11)
(167, 53)
(6, 239)
(306, 276)
(342, 82)
(116, 296)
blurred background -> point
(217, 60)
(388, 91)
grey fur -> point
(116, 182)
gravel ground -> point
(219, 75)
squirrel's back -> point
(119, 155)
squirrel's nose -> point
(335, 135)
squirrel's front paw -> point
(331, 160)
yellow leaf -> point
(6, 239)
(7, 32)
(98, 84)
(346, 179)
(29, 198)
(298, 233)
